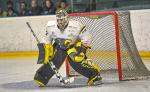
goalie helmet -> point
(62, 18)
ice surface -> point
(16, 75)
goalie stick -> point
(58, 75)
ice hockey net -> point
(113, 46)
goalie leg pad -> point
(84, 69)
(45, 72)
(40, 78)
(77, 54)
(92, 72)
(87, 63)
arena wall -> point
(15, 36)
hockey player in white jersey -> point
(66, 38)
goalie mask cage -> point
(113, 46)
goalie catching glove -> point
(46, 53)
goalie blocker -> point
(76, 56)
(46, 52)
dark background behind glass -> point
(92, 5)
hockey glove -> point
(49, 52)
(46, 53)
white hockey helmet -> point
(62, 18)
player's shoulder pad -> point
(51, 23)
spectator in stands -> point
(48, 7)
(62, 4)
(2, 13)
(23, 11)
(10, 6)
(91, 6)
(11, 12)
(115, 4)
(35, 9)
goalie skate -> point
(98, 81)
(95, 81)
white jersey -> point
(73, 30)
